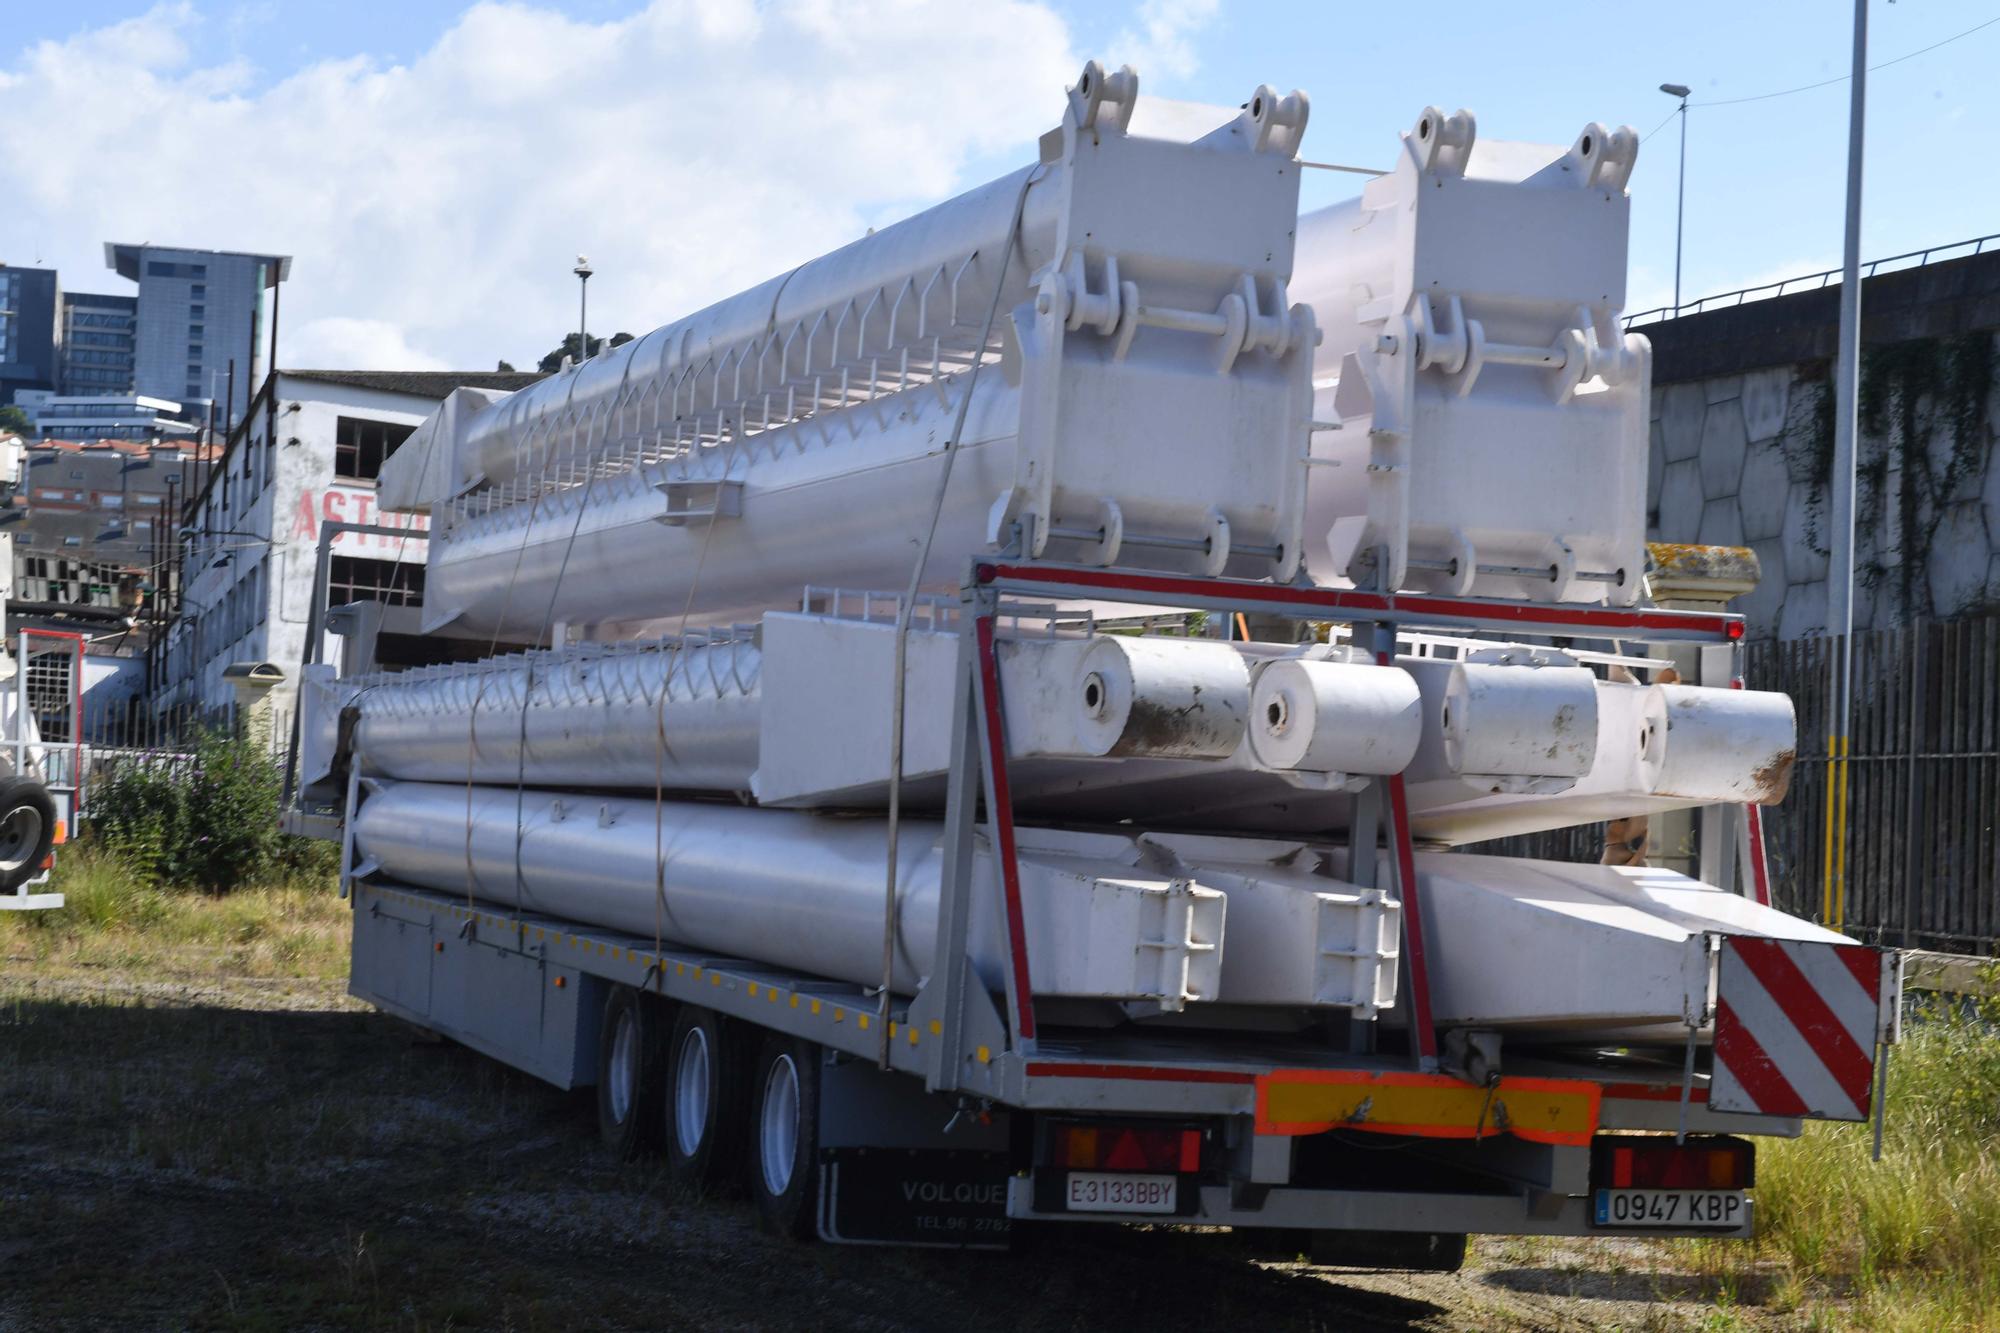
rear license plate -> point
(1116, 1192)
(1722, 1210)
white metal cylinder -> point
(680, 717)
(1334, 717)
(1725, 745)
(1520, 721)
(794, 889)
(1160, 698)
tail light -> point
(1174, 1149)
(1623, 1162)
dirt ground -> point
(275, 1155)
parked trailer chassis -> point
(948, 1100)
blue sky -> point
(1763, 188)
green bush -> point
(210, 823)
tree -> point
(505, 368)
(553, 361)
(13, 421)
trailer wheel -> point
(784, 1151)
(704, 1099)
(27, 830)
(628, 1073)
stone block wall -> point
(1743, 460)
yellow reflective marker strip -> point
(1541, 1110)
(985, 1056)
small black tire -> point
(27, 830)
(629, 1085)
(703, 1094)
(784, 1137)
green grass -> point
(113, 920)
(1908, 1243)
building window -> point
(199, 312)
(194, 330)
(391, 582)
(198, 292)
(194, 350)
(360, 446)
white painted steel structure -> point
(1096, 871)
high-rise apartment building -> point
(96, 355)
(197, 311)
(29, 298)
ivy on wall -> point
(1914, 396)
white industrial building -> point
(306, 453)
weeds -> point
(1911, 1242)
(212, 825)
(115, 919)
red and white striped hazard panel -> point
(1796, 1027)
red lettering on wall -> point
(305, 523)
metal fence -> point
(1923, 824)
(1814, 281)
(121, 733)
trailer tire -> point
(703, 1102)
(784, 1137)
(629, 1086)
(27, 830)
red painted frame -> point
(1001, 799)
(1337, 603)
(82, 645)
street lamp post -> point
(1846, 432)
(1681, 91)
(582, 271)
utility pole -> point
(1846, 423)
(582, 271)
(1681, 91)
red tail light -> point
(1110, 1147)
(1623, 1162)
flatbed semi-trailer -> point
(1110, 866)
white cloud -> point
(341, 342)
(434, 207)
(1162, 41)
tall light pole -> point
(1846, 423)
(1681, 91)
(582, 271)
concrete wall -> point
(1740, 442)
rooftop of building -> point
(100, 299)
(179, 448)
(433, 384)
(122, 258)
